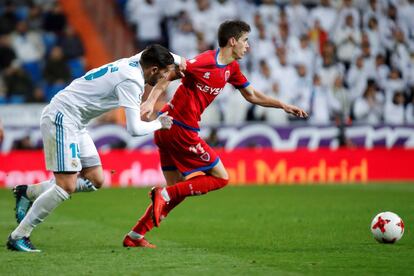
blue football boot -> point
(22, 245)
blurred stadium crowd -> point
(342, 61)
(345, 62)
(39, 52)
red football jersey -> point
(204, 80)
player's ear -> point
(155, 69)
(232, 41)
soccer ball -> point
(387, 227)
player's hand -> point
(175, 74)
(147, 109)
(166, 121)
(294, 110)
(179, 70)
(183, 64)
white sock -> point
(41, 208)
(35, 190)
(84, 185)
(165, 195)
(135, 235)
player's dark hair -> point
(231, 28)
(156, 55)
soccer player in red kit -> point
(182, 152)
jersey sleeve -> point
(192, 64)
(129, 94)
(199, 62)
(237, 79)
(136, 127)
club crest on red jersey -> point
(205, 156)
(226, 75)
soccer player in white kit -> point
(69, 150)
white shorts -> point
(67, 148)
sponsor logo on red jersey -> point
(208, 89)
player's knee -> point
(70, 189)
(66, 181)
(99, 181)
(97, 178)
(219, 171)
(223, 175)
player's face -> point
(241, 46)
(155, 74)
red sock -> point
(196, 186)
(145, 223)
(171, 205)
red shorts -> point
(182, 149)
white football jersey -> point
(120, 83)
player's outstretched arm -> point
(256, 97)
(136, 127)
(147, 107)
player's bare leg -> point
(219, 171)
(135, 238)
(19, 239)
(66, 181)
(172, 177)
(94, 179)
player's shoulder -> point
(205, 58)
(130, 68)
(234, 65)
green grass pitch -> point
(257, 230)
